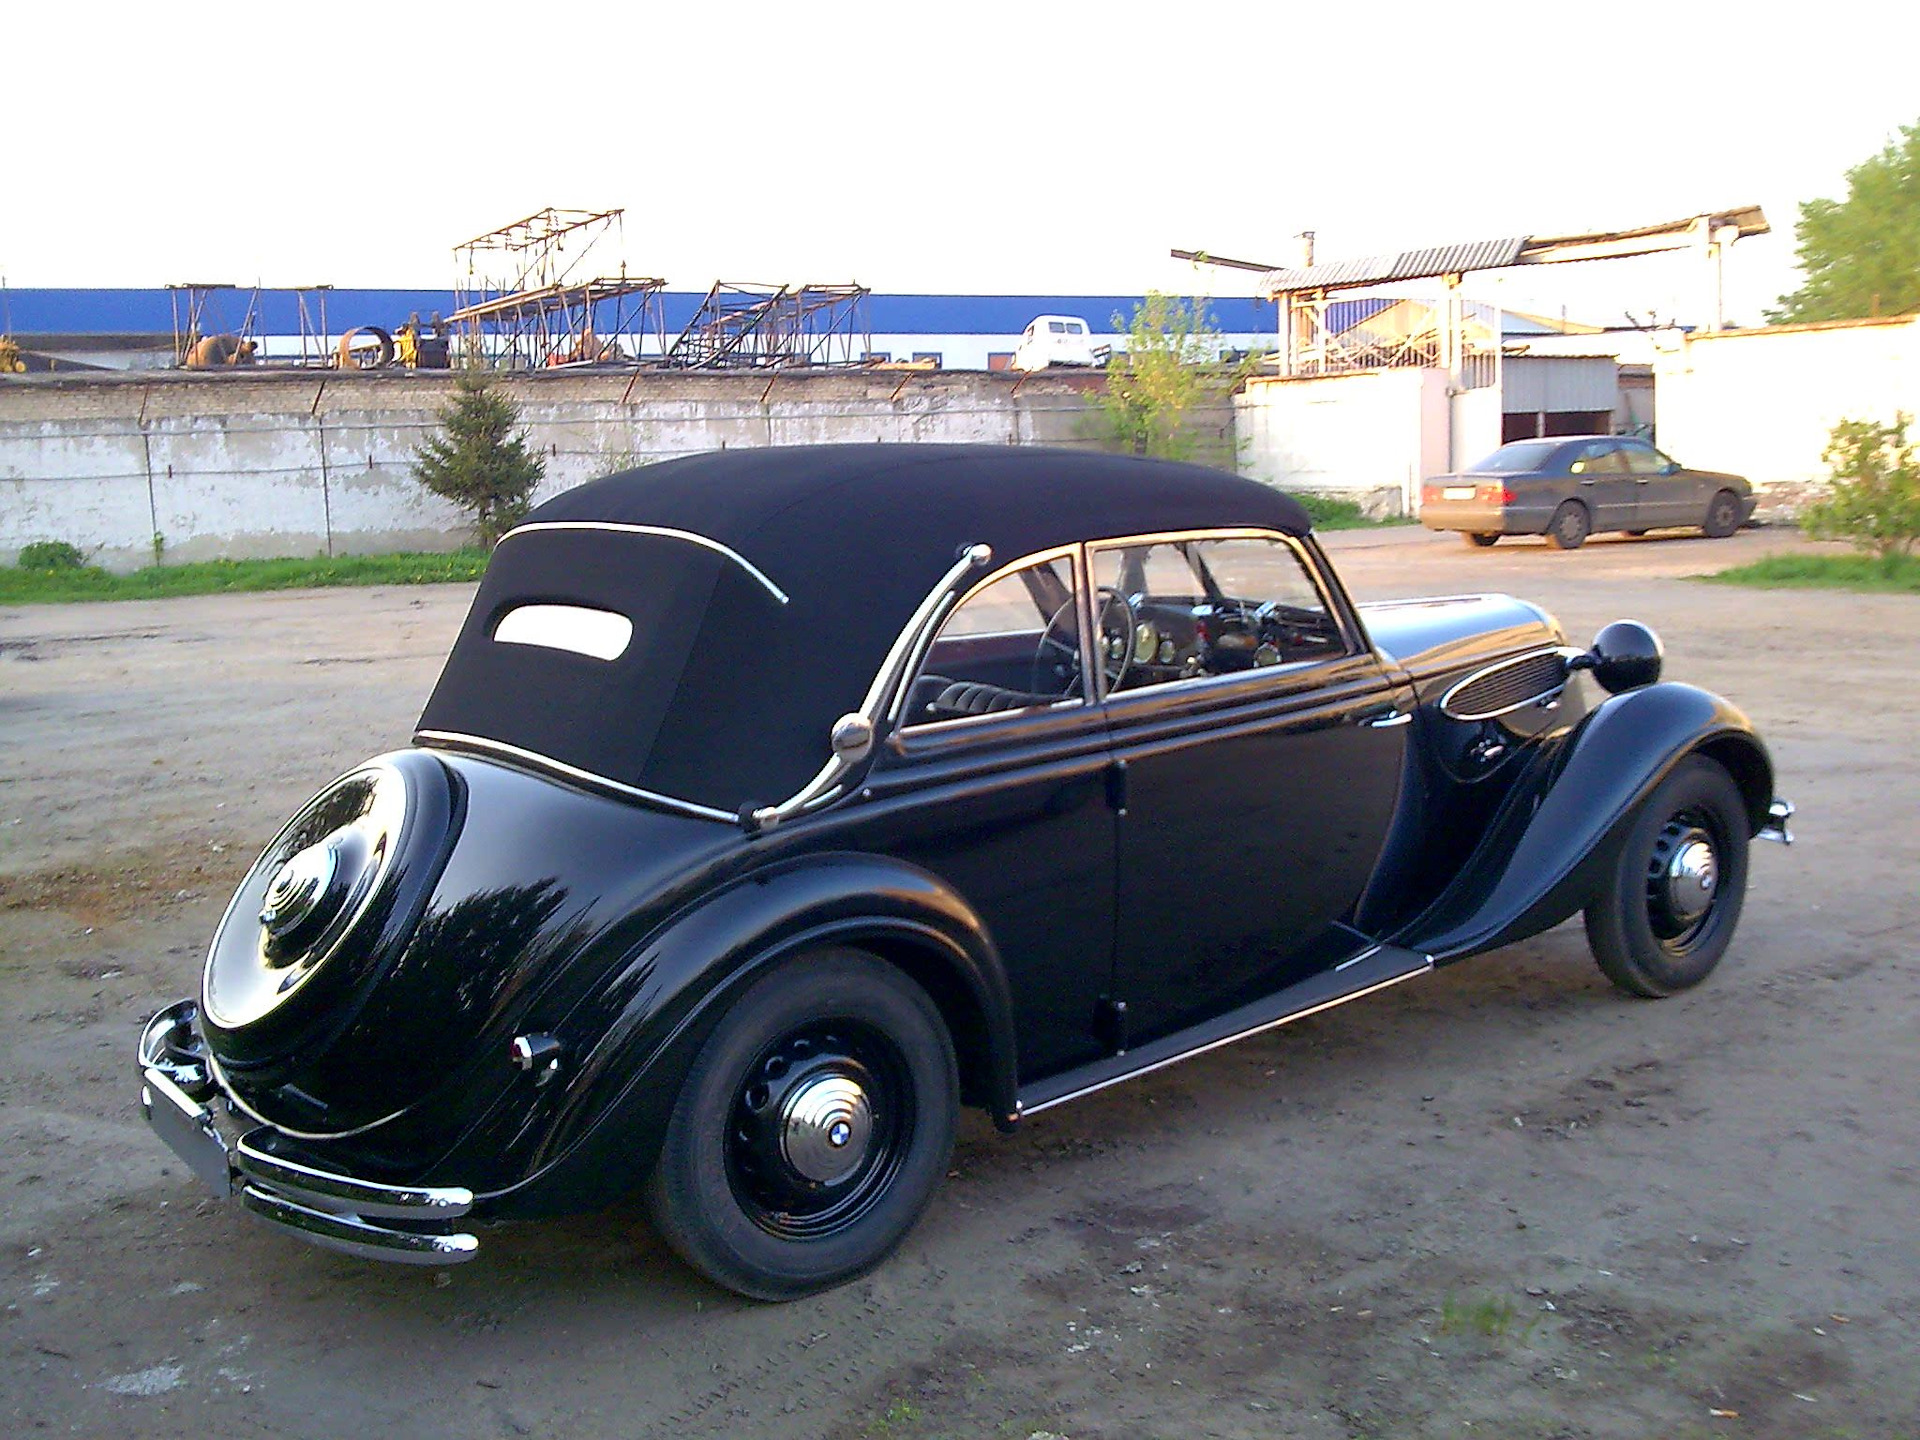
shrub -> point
(1875, 501)
(480, 462)
(51, 555)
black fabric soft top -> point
(725, 695)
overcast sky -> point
(1033, 148)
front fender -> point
(637, 1036)
(1555, 839)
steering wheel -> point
(1058, 653)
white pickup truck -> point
(1058, 340)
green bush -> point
(51, 555)
(1875, 501)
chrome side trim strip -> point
(902, 659)
(1565, 652)
(455, 740)
(1225, 1040)
(343, 1193)
(234, 1100)
(662, 531)
(348, 1235)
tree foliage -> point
(1170, 369)
(1875, 501)
(480, 461)
(1861, 255)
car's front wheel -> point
(1723, 515)
(1570, 526)
(1669, 909)
(811, 1130)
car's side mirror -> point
(851, 738)
(1670, 467)
(1625, 656)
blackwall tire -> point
(1479, 541)
(835, 1060)
(1723, 515)
(1643, 926)
(1570, 526)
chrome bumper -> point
(407, 1224)
(1778, 814)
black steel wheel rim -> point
(1673, 873)
(767, 1130)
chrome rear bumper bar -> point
(407, 1224)
(1778, 814)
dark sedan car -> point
(1567, 489)
(773, 804)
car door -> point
(1257, 747)
(1604, 485)
(1668, 494)
(996, 781)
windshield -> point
(1521, 455)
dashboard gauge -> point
(1267, 654)
(1146, 640)
(1166, 652)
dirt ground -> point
(1505, 1200)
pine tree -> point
(481, 461)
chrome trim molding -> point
(234, 1102)
(1779, 812)
(662, 531)
(343, 1193)
(455, 740)
(1564, 652)
(347, 1234)
(1225, 1040)
(902, 659)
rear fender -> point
(637, 1038)
(1549, 849)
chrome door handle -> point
(1389, 720)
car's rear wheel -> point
(812, 1129)
(1570, 526)
(1478, 540)
(1669, 909)
(1723, 515)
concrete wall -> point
(291, 464)
(1369, 437)
(1761, 402)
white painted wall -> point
(258, 465)
(1351, 435)
(1761, 403)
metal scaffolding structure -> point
(518, 301)
(201, 337)
(748, 326)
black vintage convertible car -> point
(773, 804)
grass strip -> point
(1827, 572)
(219, 577)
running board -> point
(1370, 970)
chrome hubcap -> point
(298, 886)
(1691, 877)
(825, 1128)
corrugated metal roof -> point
(1407, 265)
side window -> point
(1643, 459)
(1599, 458)
(1013, 644)
(1182, 610)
